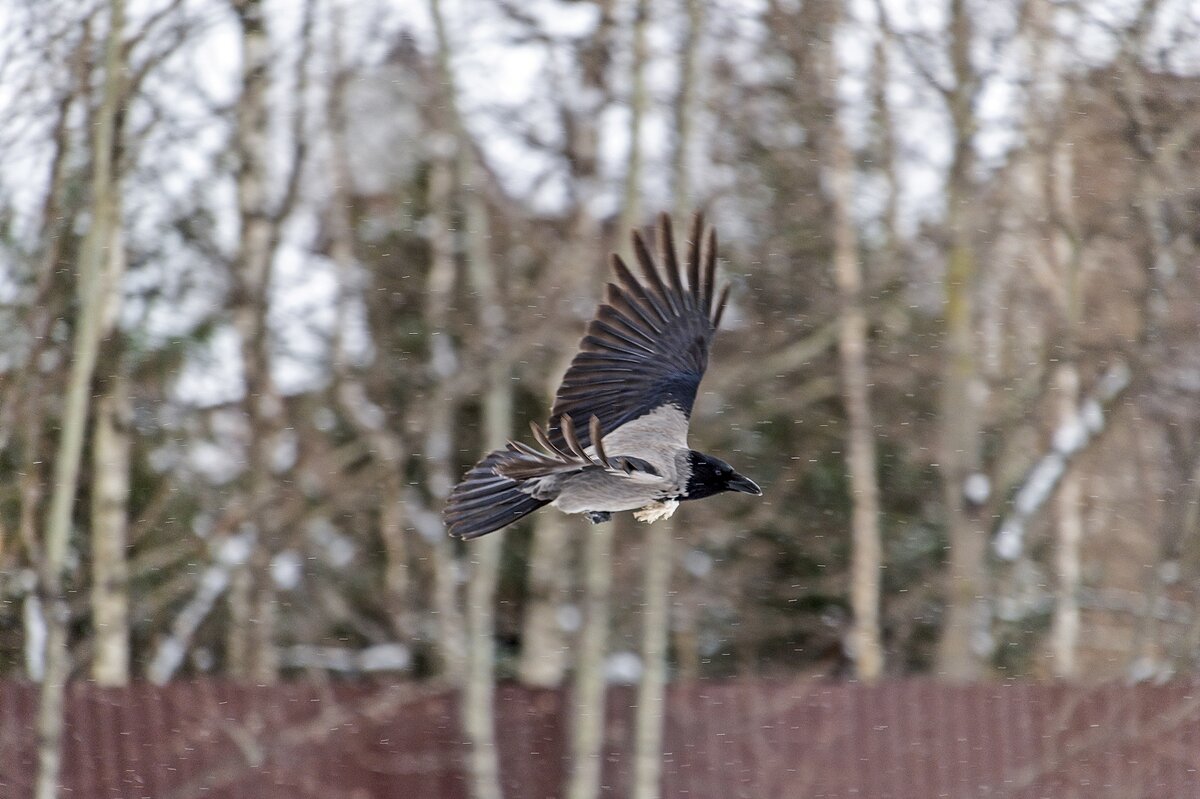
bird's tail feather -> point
(484, 501)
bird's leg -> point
(656, 510)
(598, 516)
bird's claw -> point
(598, 516)
(656, 510)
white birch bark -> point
(544, 652)
(251, 642)
(964, 645)
(386, 446)
(544, 646)
(110, 497)
(659, 537)
(105, 215)
(866, 559)
(479, 691)
(1064, 626)
(631, 206)
(587, 722)
(651, 692)
(442, 365)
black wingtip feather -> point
(709, 257)
(693, 258)
(485, 501)
(666, 252)
(637, 297)
(646, 263)
(720, 309)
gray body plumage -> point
(659, 438)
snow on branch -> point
(1070, 439)
(233, 552)
(380, 657)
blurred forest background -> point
(274, 273)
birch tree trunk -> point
(110, 494)
(451, 641)
(659, 537)
(544, 652)
(442, 365)
(681, 184)
(1052, 162)
(479, 692)
(866, 550)
(656, 620)
(57, 215)
(631, 207)
(251, 648)
(105, 208)
(587, 723)
(479, 696)
(1064, 626)
(961, 653)
(686, 641)
(883, 148)
(387, 447)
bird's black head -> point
(711, 475)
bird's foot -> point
(656, 510)
(598, 516)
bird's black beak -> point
(743, 485)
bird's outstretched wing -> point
(647, 345)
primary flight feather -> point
(617, 437)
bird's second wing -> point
(647, 345)
(523, 462)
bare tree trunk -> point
(544, 654)
(961, 650)
(656, 621)
(110, 496)
(883, 147)
(681, 184)
(1066, 251)
(27, 399)
(479, 695)
(386, 447)
(479, 691)
(867, 550)
(251, 646)
(1050, 181)
(631, 207)
(659, 537)
(1064, 628)
(587, 724)
(443, 363)
(451, 632)
(105, 219)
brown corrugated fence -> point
(756, 739)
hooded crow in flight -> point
(617, 438)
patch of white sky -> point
(35, 51)
(304, 294)
(508, 84)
